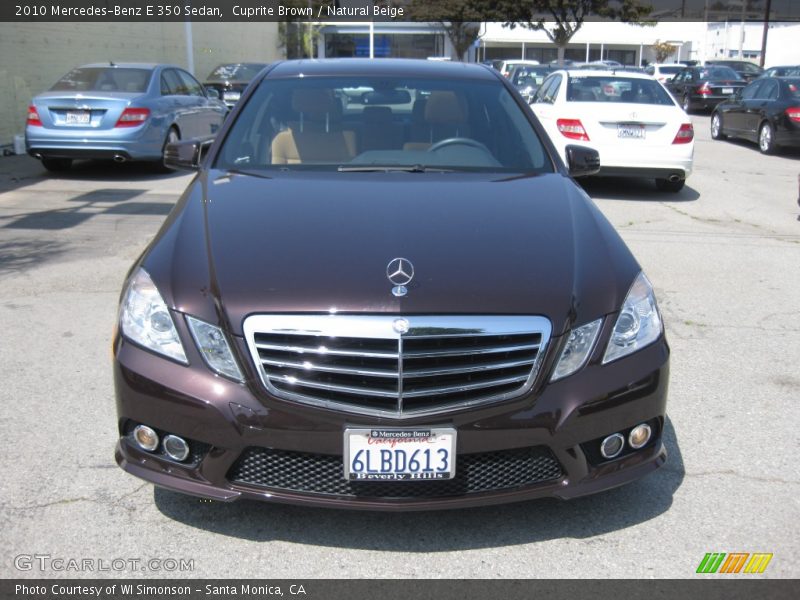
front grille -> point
(396, 366)
(324, 474)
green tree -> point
(663, 50)
(296, 35)
(460, 19)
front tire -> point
(665, 185)
(766, 138)
(56, 165)
(716, 127)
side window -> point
(551, 92)
(173, 83)
(768, 90)
(166, 90)
(752, 90)
(193, 88)
(539, 96)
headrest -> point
(314, 102)
(445, 107)
(377, 114)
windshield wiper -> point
(391, 169)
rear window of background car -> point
(616, 89)
(104, 79)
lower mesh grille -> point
(324, 474)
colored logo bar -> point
(734, 562)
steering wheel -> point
(459, 141)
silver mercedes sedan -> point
(126, 111)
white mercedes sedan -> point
(629, 118)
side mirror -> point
(212, 93)
(582, 161)
(186, 155)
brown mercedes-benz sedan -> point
(384, 290)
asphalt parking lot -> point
(723, 254)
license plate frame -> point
(231, 96)
(631, 131)
(393, 445)
(78, 117)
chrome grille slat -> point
(468, 352)
(361, 364)
(463, 388)
(327, 369)
(408, 373)
(326, 351)
(338, 388)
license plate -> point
(630, 131)
(387, 454)
(727, 91)
(78, 117)
(232, 96)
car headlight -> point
(214, 348)
(145, 319)
(638, 323)
(577, 349)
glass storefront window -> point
(386, 45)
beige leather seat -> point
(445, 117)
(318, 136)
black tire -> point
(686, 104)
(173, 135)
(57, 164)
(766, 138)
(717, 132)
(665, 185)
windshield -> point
(104, 79)
(530, 75)
(612, 88)
(239, 72)
(366, 123)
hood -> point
(321, 242)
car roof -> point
(606, 73)
(125, 65)
(385, 66)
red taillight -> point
(132, 117)
(33, 116)
(704, 90)
(572, 129)
(685, 134)
(793, 112)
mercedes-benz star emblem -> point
(400, 272)
(400, 325)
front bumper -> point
(224, 421)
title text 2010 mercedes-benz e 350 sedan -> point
(383, 290)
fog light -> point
(176, 448)
(639, 436)
(612, 445)
(146, 437)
